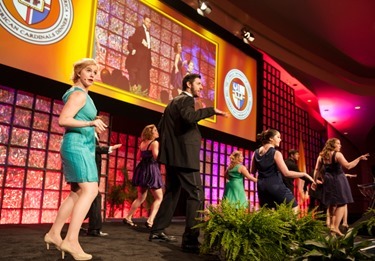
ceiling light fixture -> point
(247, 35)
(203, 8)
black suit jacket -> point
(292, 165)
(99, 150)
(142, 57)
(180, 138)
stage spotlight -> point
(203, 8)
(247, 35)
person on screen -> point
(179, 150)
(78, 116)
(138, 62)
(190, 67)
(176, 74)
(269, 163)
(234, 189)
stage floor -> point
(25, 242)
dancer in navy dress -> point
(147, 175)
(268, 162)
(336, 190)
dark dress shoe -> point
(191, 248)
(161, 237)
(96, 233)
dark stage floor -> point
(25, 242)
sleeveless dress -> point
(271, 188)
(147, 172)
(78, 145)
(234, 189)
(176, 78)
(336, 188)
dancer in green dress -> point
(78, 116)
(234, 188)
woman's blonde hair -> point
(328, 147)
(80, 65)
(234, 158)
(147, 132)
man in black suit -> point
(138, 62)
(95, 211)
(179, 151)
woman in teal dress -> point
(234, 189)
(78, 116)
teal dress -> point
(234, 189)
(78, 145)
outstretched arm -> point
(349, 165)
(243, 170)
(285, 171)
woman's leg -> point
(86, 195)
(345, 217)
(339, 213)
(64, 212)
(142, 194)
(158, 197)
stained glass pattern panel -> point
(34, 179)
(10, 216)
(41, 121)
(17, 156)
(30, 216)
(54, 161)
(15, 177)
(55, 127)
(6, 95)
(3, 154)
(4, 133)
(20, 136)
(52, 180)
(51, 199)
(43, 104)
(12, 199)
(5, 113)
(32, 199)
(55, 142)
(39, 140)
(25, 100)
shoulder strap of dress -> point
(149, 145)
(334, 157)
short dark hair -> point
(292, 152)
(189, 78)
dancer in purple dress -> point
(336, 190)
(147, 175)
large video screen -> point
(144, 49)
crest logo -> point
(237, 94)
(32, 11)
(43, 21)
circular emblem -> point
(37, 22)
(237, 94)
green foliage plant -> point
(264, 234)
(328, 247)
